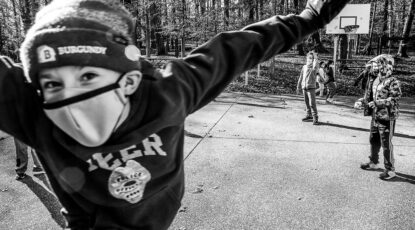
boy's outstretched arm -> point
(208, 69)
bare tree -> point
(368, 48)
(407, 29)
(226, 13)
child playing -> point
(307, 83)
(329, 82)
(320, 79)
(110, 128)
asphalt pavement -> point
(251, 163)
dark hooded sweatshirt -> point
(151, 137)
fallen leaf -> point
(197, 190)
(251, 116)
(183, 209)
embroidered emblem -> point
(46, 54)
(82, 49)
(129, 182)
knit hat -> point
(81, 33)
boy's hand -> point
(6, 63)
(321, 12)
(371, 104)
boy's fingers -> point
(325, 10)
(6, 62)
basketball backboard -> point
(353, 19)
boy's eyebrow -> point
(42, 76)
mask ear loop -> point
(121, 97)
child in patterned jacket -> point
(382, 94)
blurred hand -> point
(323, 11)
(371, 104)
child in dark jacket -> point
(329, 82)
(110, 128)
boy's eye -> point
(88, 76)
(51, 85)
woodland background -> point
(166, 29)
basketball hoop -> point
(351, 28)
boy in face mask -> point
(383, 94)
(108, 126)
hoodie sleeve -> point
(207, 70)
(300, 79)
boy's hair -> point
(80, 33)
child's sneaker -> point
(20, 176)
(368, 166)
(387, 175)
(315, 121)
(37, 170)
(307, 118)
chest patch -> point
(129, 182)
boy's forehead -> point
(56, 71)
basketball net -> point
(351, 29)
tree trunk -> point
(176, 45)
(391, 24)
(226, 14)
(343, 50)
(300, 46)
(25, 14)
(2, 38)
(215, 17)
(368, 48)
(16, 23)
(261, 9)
(385, 24)
(282, 7)
(147, 33)
(402, 52)
(183, 35)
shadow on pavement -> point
(362, 129)
(264, 106)
(252, 104)
(404, 178)
(47, 198)
(400, 177)
(193, 135)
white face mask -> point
(89, 118)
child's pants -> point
(381, 133)
(320, 89)
(22, 153)
(331, 88)
(310, 102)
